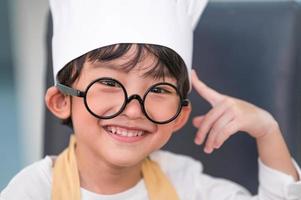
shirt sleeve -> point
(278, 185)
(31, 183)
(273, 185)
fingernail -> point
(208, 150)
(197, 141)
(193, 72)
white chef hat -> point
(80, 26)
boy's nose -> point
(133, 109)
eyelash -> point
(110, 83)
(161, 89)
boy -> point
(123, 71)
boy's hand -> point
(228, 116)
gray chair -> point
(249, 50)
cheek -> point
(81, 118)
(164, 133)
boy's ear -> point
(58, 103)
(182, 118)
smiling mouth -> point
(123, 132)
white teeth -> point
(124, 132)
(140, 133)
(113, 130)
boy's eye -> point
(160, 90)
(109, 83)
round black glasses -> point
(105, 98)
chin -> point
(125, 159)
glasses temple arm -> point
(70, 91)
(185, 102)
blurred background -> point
(22, 65)
(23, 61)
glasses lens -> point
(105, 98)
(162, 102)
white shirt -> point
(185, 173)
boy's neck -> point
(101, 177)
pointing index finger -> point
(212, 96)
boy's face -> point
(94, 136)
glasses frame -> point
(83, 94)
